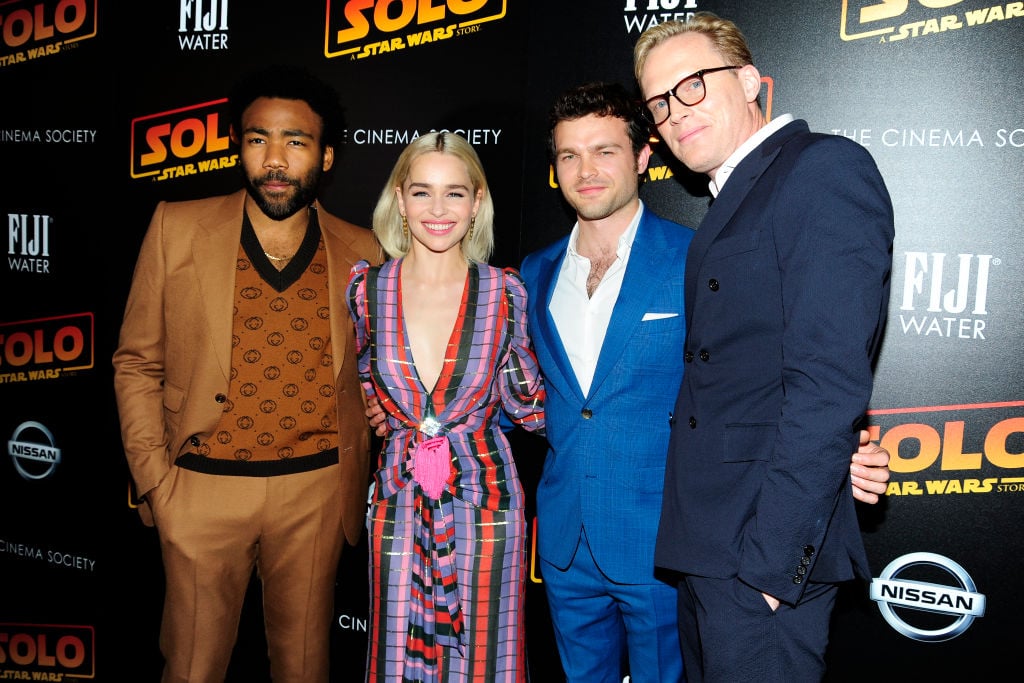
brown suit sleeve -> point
(139, 364)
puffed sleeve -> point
(355, 296)
(519, 379)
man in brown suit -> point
(241, 412)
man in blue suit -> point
(787, 284)
(606, 318)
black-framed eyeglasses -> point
(688, 91)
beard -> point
(604, 208)
(596, 213)
(282, 206)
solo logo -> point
(28, 242)
(945, 296)
(203, 24)
(29, 30)
(899, 588)
(45, 348)
(33, 451)
(368, 28)
(47, 652)
(182, 142)
(980, 454)
(891, 20)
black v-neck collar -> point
(282, 279)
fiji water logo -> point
(203, 25)
(946, 296)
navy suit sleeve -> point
(833, 226)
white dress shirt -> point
(743, 150)
(581, 320)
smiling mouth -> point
(439, 227)
(686, 135)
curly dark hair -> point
(290, 83)
(601, 99)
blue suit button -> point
(587, 413)
(713, 285)
(693, 422)
(688, 356)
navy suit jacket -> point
(787, 288)
(606, 460)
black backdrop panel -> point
(110, 106)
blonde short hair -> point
(387, 217)
(726, 37)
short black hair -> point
(600, 99)
(290, 83)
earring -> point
(405, 227)
(472, 224)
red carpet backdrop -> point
(109, 106)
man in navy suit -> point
(787, 286)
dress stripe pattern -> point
(447, 574)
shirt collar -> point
(625, 239)
(751, 143)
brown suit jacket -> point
(174, 352)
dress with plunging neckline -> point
(447, 575)
(452, 336)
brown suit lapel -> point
(215, 253)
(340, 259)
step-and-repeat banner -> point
(109, 106)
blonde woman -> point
(442, 345)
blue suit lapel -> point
(639, 285)
(544, 331)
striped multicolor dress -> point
(447, 574)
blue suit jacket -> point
(787, 288)
(606, 459)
